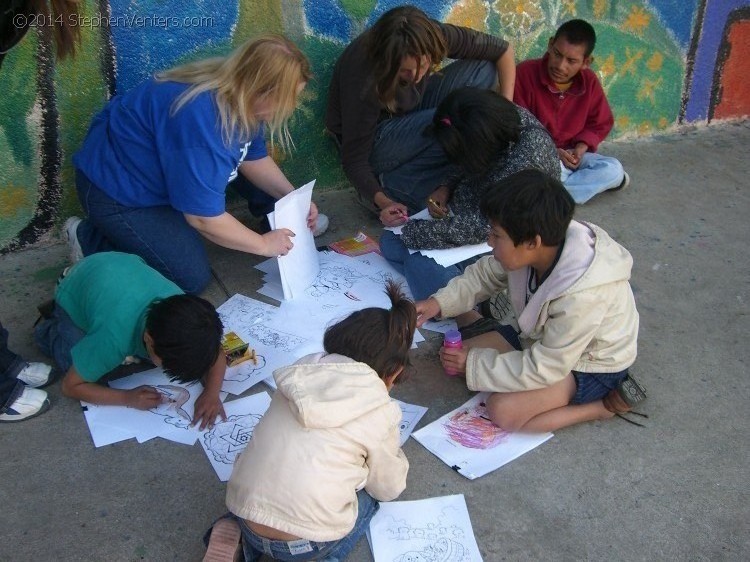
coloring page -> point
(224, 442)
(467, 441)
(410, 416)
(253, 321)
(173, 416)
(431, 530)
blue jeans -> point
(56, 337)
(254, 546)
(160, 235)
(10, 365)
(409, 162)
(595, 173)
(424, 275)
(259, 203)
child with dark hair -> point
(306, 486)
(565, 95)
(568, 284)
(488, 138)
(112, 306)
(383, 92)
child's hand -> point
(437, 203)
(312, 216)
(207, 408)
(277, 242)
(394, 214)
(454, 360)
(568, 158)
(426, 310)
(143, 397)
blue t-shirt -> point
(142, 156)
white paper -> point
(253, 322)
(447, 256)
(300, 266)
(430, 530)
(410, 416)
(467, 441)
(224, 442)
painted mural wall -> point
(661, 62)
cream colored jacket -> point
(582, 318)
(330, 430)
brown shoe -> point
(224, 544)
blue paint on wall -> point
(433, 8)
(710, 35)
(677, 16)
(327, 18)
(165, 32)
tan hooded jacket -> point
(330, 430)
(583, 317)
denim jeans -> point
(424, 275)
(255, 546)
(409, 162)
(10, 365)
(160, 235)
(595, 173)
(56, 337)
(259, 203)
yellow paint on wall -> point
(472, 13)
(637, 20)
(655, 63)
(519, 15)
(607, 68)
(14, 198)
(569, 7)
(622, 122)
(648, 90)
(631, 61)
(600, 7)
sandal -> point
(224, 543)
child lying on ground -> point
(306, 486)
(568, 284)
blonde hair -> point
(267, 67)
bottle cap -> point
(452, 336)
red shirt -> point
(580, 114)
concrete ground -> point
(675, 490)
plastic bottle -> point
(452, 340)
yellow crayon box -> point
(236, 350)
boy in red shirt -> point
(565, 95)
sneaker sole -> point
(224, 541)
(39, 412)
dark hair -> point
(401, 32)
(186, 331)
(577, 32)
(529, 203)
(475, 126)
(378, 337)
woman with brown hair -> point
(383, 93)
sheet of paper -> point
(467, 441)
(434, 529)
(227, 439)
(441, 326)
(410, 416)
(174, 415)
(300, 266)
(274, 345)
(447, 256)
(101, 433)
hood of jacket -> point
(319, 400)
(590, 258)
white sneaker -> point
(32, 402)
(71, 236)
(35, 374)
(624, 184)
(321, 225)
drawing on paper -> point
(241, 313)
(273, 338)
(174, 397)
(472, 428)
(443, 550)
(229, 438)
(245, 370)
(334, 278)
(444, 539)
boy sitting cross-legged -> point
(565, 95)
(568, 284)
